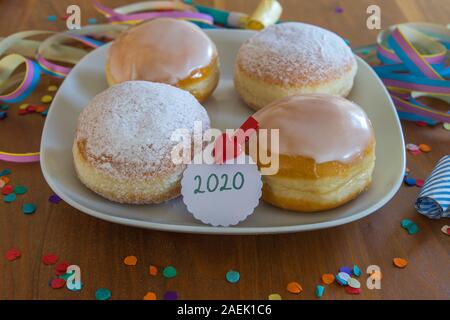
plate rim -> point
(233, 230)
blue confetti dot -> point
(5, 172)
(92, 21)
(319, 291)
(356, 270)
(29, 208)
(410, 181)
(3, 115)
(233, 276)
(347, 270)
(52, 18)
(10, 198)
(102, 294)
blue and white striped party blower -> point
(434, 198)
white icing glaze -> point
(161, 50)
(294, 53)
(126, 129)
(318, 126)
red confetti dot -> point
(7, 189)
(57, 283)
(421, 123)
(50, 259)
(31, 109)
(13, 254)
(351, 290)
(22, 112)
(61, 268)
(419, 183)
(415, 152)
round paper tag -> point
(222, 194)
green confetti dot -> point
(102, 294)
(169, 272)
(405, 223)
(29, 208)
(233, 276)
(9, 198)
(20, 190)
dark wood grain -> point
(266, 263)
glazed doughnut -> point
(122, 147)
(165, 50)
(293, 58)
(326, 152)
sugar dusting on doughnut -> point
(125, 131)
(161, 50)
(308, 54)
(322, 127)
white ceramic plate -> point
(226, 111)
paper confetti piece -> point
(328, 278)
(446, 126)
(153, 270)
(319, 291)
(338, 10)
(10, 198)
(61, 268)
(274, 296)
(7, 190)
(420, 183)
(29, 208)
(46, 99)
(5, 179)
(5, 172)
(171, 295)
(20, 190)
(356, 270)
(13, 254)
(130, 261)
(294, 287)
(40, 109)
(102, 294)
(149, 296)
(57, 283)
(424, 147)
(341, 279)
(54, 198)
(52, 18)
(400, 262)
(3, 115)
(412, 147)
(2, 183)
(52, 88)
(92, 21)
(351, 290)
(421, 123)
(410, 181)
(352, 282)
(233, 276)
(410, 226)
(169, 272)
(49, 259)
(347, 270)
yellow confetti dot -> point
(23, 106)
(150, 296)
(130, 261)
(5, 179)
(46, 99)
(294, 287)
(274, 296)
(52, 88)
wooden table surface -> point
(266, 263)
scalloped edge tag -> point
(222, 194)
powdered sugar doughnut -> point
(293, 58)
(122, 148)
